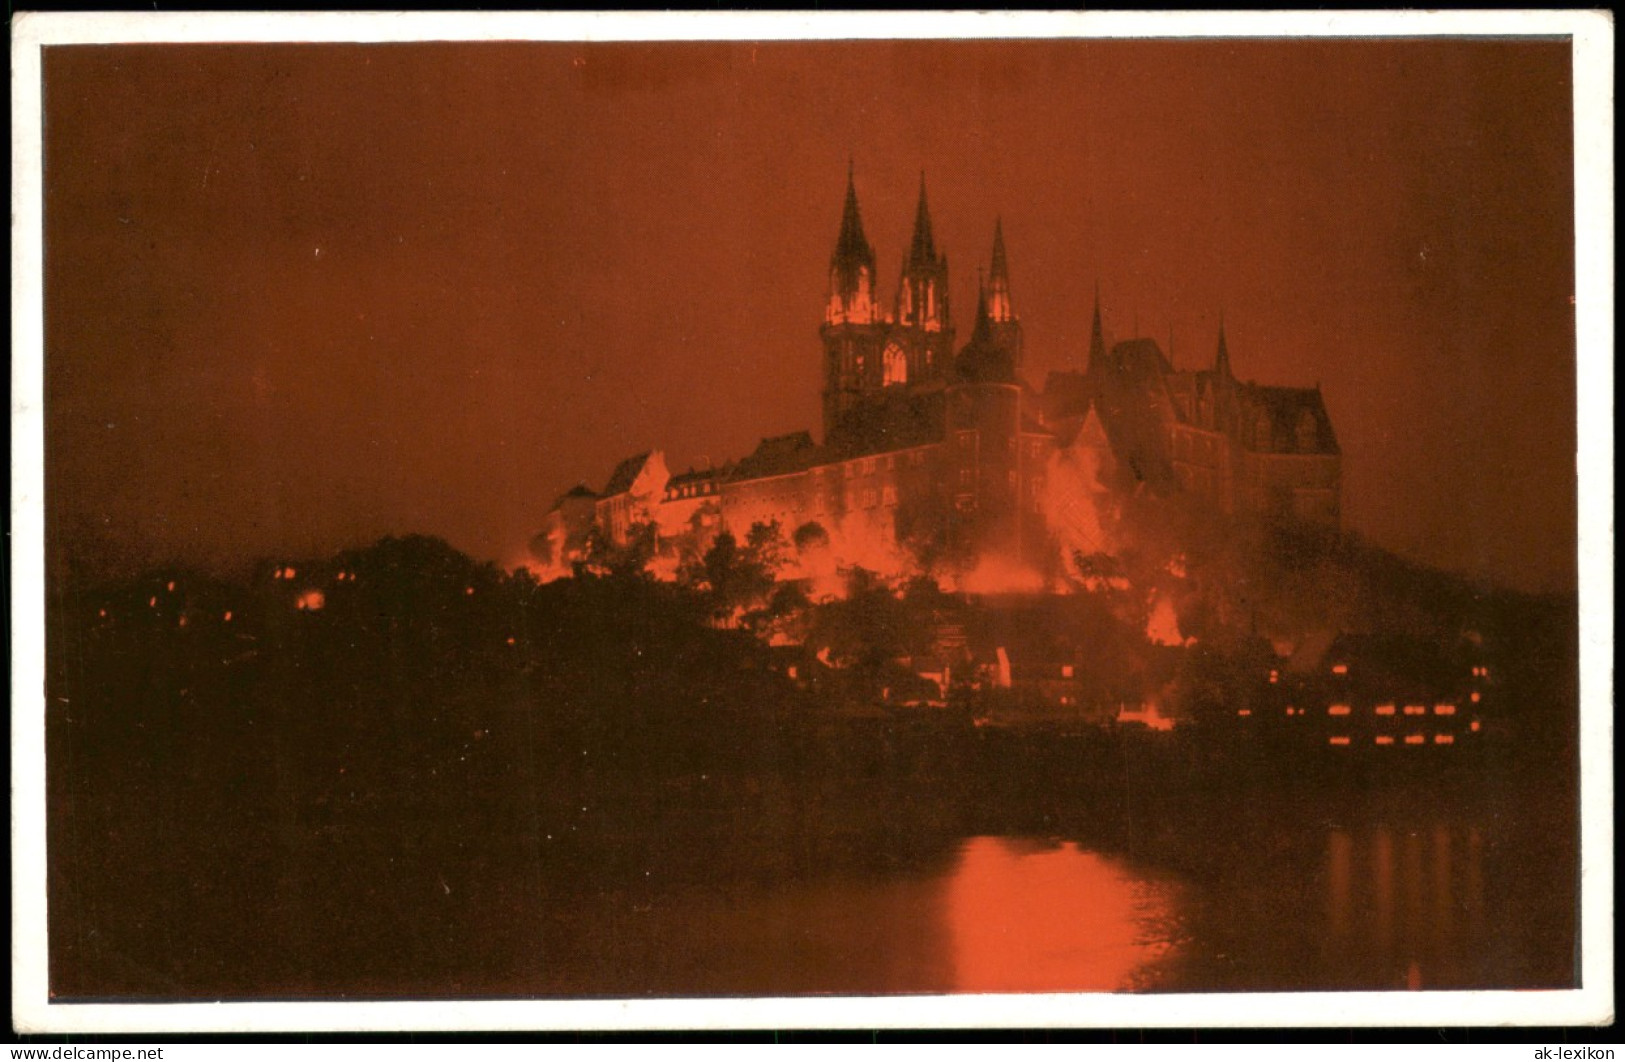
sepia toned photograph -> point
(768, 517)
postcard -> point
(680, 520)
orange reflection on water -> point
(1404, 906)
(1030, 918)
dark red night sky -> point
(301, 296)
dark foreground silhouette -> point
(440, 780)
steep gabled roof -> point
(702, 475)
(776, 456)
(1134, 404)
(1141, 359)
(891, 420)
(1284, 410)
(625, 474)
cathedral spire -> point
(851, 267)
(923, 249)
(1221, 363)
(922, 296)
(851, 248)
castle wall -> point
(785, 498)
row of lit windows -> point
(967, 441)
(887, 496)
(1388, 739)
(1381, 709)
(867, 466)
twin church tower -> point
(867, 349)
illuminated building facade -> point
(951, 455)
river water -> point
(1409, 890)
(1040, 871)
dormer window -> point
(1263, 432)
(1308, 433)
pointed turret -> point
(1005, 327)
(1221, 362)
(984, 359)
(998, 294)
(1097, 341)
(982, 330)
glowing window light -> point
(1275, 676)
(1415, 739)
(1291, 710)
(227, 617)
(1337, 740)
(183, 621)
(1444, 709)
(1340, 669)
(152, 602)
(311, 601)
(171, 586)
(1444, 739)
(1385, 739)
(1476, 696)
(102, 613)
(1066, 670)
(1338, 709)
(1244, 712)
(290, 573)
(1385, 709)
(468, 590)
(1416, 709)
(1473, 726)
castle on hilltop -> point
(949, 457)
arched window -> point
(895, 367)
